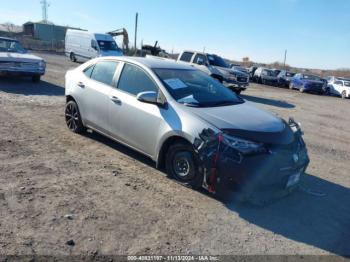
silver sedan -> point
(201, 132)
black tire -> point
(343, 94)
(302, 89)
(181, 164)
(73, 118)
(291, 86)
(36, 78)
(327, 91)
(72, 57)
(238, 91)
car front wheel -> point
(343, 94)
(181, 165)
(73, 118)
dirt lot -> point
(118, 203)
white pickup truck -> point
(216, 67)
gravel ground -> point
(57, 186)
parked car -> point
(307, 83)
(284, 78)
(216, 67)
(201, 132)
(265, 76)
(15, 60)
(82, 45)
(338, 86)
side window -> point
(340, 83)
(88, 71)
(134, 80)
(200, 59)
(186, 56)
(104, 72)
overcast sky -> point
(316, 33)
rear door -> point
(96, 89)
(133, 122)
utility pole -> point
(285, 57)
(44, 6)
(136, 21)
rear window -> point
(186, 56)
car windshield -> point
(347, 83)
(107, 45)
(11, 46)
(215, 60)
(196, 89)
(312, 77)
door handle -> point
(116, 100)
(81, 84)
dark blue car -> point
(307, 83)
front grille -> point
(18, 65)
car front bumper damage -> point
(265, 175)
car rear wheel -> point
(302, 89)
(343, 94)
(291, 86)
(73, 118)
(181, 165)
(72, 57)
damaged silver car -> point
(201, 132)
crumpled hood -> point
(248, 122)
(19, 57)
(242, 116)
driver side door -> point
(134, 122)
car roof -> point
(152, 62)
(8, 39)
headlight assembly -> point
(42, 64)
(243, 146)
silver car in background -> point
(200, 131)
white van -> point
(82, 45)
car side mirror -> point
(149, 97)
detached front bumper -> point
(278, 168)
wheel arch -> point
(160, 163)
